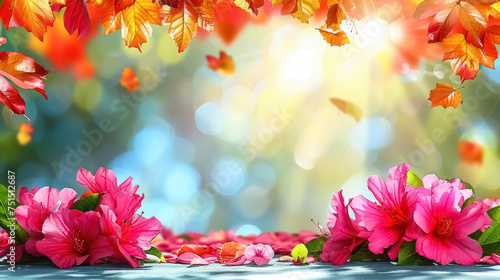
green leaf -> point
(154, 255)
(315, 247)
(8, 204)
(491, 248)
(413, 179)
(89, 203)
(476, 235)
(362, 253)
(470, 199)
(300, 251)
(408, 256)
(492, 234)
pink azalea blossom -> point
(433, 183)
(129, 235)
(71, 237)
(260, 254)
(36, 206)
(391, 221)
(492, 203)
(445, 229)
(346, 233)
(104, 182)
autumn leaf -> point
(335, 15)
(24, 134)
(470, 152)
(23, 71)
(76, 18)
(33, 15)
(129, 80)
(466, 57)
(251, 6)
(134, 21)
(230, 20)
(446, 15)
(299, 9)
(184, 16)
(335, 37)
(348, 108)
(445, 95)
(224, 64)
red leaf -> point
(23, 71)
(10, 97)
(224, 64)
(76, 18)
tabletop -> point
(274, 270)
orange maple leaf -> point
(470, 152)
(129, 80)
(135, 20)
(224, 64)
(184, 16)
(33, 15)
(445, 95)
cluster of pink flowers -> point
(431, 214)
(113, 232)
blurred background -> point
(263, 149)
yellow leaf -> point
(306, 9)
(134, 21)
(348, 108)
(184, 16)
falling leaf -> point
(470, 152)
(348, 108)
(129, 80)
(23, 71)
(184, 16)
(33, 15)
(24, 134)
(224, 64)
(134, 21)
(335, 37)
(445, 95)
(231, 251)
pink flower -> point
(492, 203)
(5, 243)
(347, 234)
(37, 205)
(71, 237)
(128, 234)
(433, 183)
(260, 254)
(445, 229)
(104, 182)
(391, 221)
